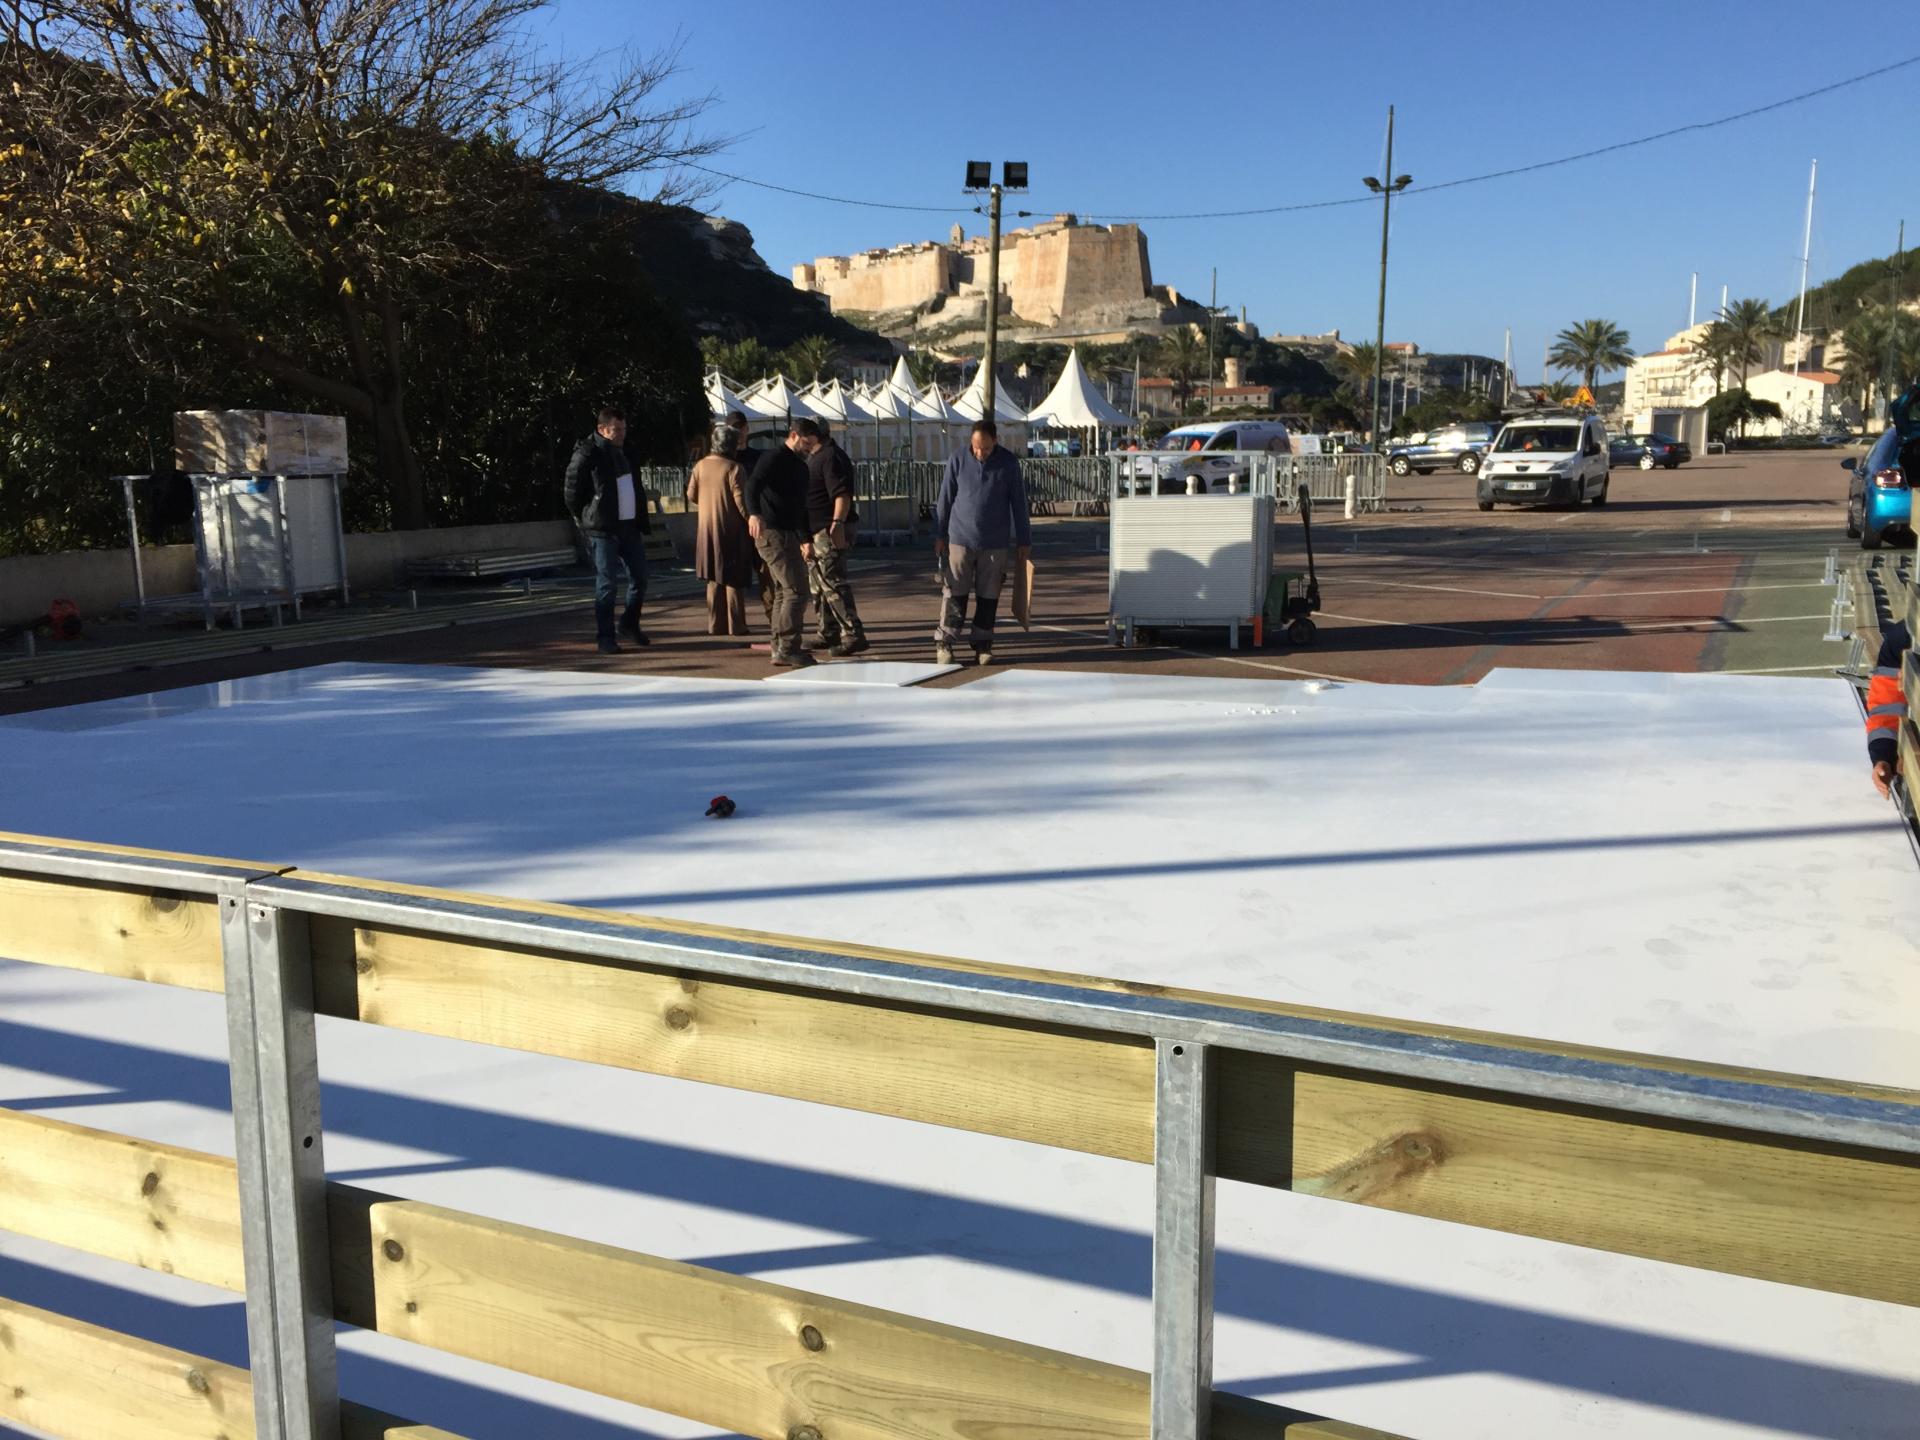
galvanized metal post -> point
(1182, 1242)
(283, 1202)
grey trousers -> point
(981, 574)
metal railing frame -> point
(264, 918)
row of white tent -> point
(898, 418)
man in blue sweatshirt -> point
(980, 526)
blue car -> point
(1880, 495)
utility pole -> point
(1213, 304)
(1806, 254)
(1385, 188)
(1893, 313)
(987, 411)
(1693, 298)
(1506, 370)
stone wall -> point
(1049, 273)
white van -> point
(1549, 460)
(1213, 455)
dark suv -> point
(1457, 447)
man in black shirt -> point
(777, 519)
(830, 522)
(611, 511)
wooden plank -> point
(161, 936)
(338, 943)
(75, 1380)
(1070, 1089)
(710, 1346)
(71, 1379)
(1798, 1213)
(742, 1355)
(160, 1207)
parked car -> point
(1880, 492)
(1648, 451)
(1551, 460)
(1215, 454)
(1457, 447)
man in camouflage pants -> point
(831, 519)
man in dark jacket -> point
(776, 494)
(980, 526)
(611, 511)
(830, 522)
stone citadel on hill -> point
(1061, 279)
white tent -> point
(855, 424)
(720, 400)
(971, 404)
(895, 415)
(776, 399)
(937, 425)
(1074, 404)
(902, 380)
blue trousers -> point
(626, 547)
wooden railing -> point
(1807, 1182)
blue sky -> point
(1127, 108)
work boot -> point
(792, 659)
(823, 642)
(630, 628)
(850, 645)
(609, 646)
(942, 655)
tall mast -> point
(1806, 253)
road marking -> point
(1408, 624)
(1718, 589)
(1829, 667)
(1593, 626)
(1458, 590)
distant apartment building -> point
(1671, 378)
(1157, 396)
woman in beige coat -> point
(722, 549)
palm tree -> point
(1590, 347)
(1883, 337)
(1748, 323)
(809, 358)
(1356, 367)
(1713, 351)
(1183, 357)
(1558, 392)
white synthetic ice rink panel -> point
(1694, 869)
(862, 672)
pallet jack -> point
(1293, 597)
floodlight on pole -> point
(1013, 174)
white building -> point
(1673, 378)
(1810, 402)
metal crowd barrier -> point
(1738, 1171)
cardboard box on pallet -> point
(259, 442)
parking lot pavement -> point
(1716, 566)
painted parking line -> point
(1593, 627)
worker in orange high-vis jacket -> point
(1886, 708)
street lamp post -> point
(1394, 184)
